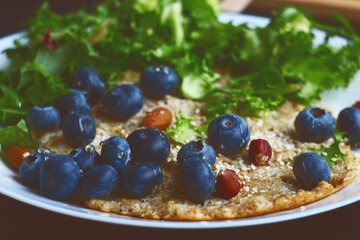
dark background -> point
(22, 221)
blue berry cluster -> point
(133, 163)
(79, 127)
(95, 175)
(72, 110)
(196, 160)
(227, 134)
(121, 102)
(59, 176)
(316, 125)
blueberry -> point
(197, 179)
(43, 117)
(85, 157)
(30, 168)
(114, 140)
(73, 102)
(310, 169)
(123, 101)
(314, 125)
(228, 134)
(115, 151)
(149, 145)
(139, 180)
(349, 121)
(157, 81)
(59, 177)
(98, 181)
(89, 82)
(79, 129)
(197, 149)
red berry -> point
(260, 151)
(357, 105)
(16, 154)
(228, 184)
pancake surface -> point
(267, 189)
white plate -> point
(336, 99)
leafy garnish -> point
(16, 136)
(333, 153)
(267, 65)
(280, 62)
(185, 130)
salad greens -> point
(16, 135)
(267, 65)
(185, 130)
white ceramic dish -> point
(336, 99)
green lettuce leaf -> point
(16, 136)
(185, 130)
(267, 65)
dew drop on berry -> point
(90, 148)
(120, 154)
(43, 150)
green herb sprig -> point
(185, 130)
(333, 153)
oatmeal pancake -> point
(266, 189)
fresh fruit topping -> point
(88, 81)
(16, 155)
(333, 153)
(85, 157)
(29, 169)
(197, 179)
(349, 121)
(228, 184)
(73, 102)
(158, 81)
(357, 105)
(123, 101)
(310, 169)
(43, 117)
(139, 180)
(98, 181)
(79, 129)
(197, 149)
(149, 145)
(228, 134)
(59, 177)
(159, 118)
(314, 125)
(115, 151)
(260, 152)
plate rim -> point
(166, 224)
